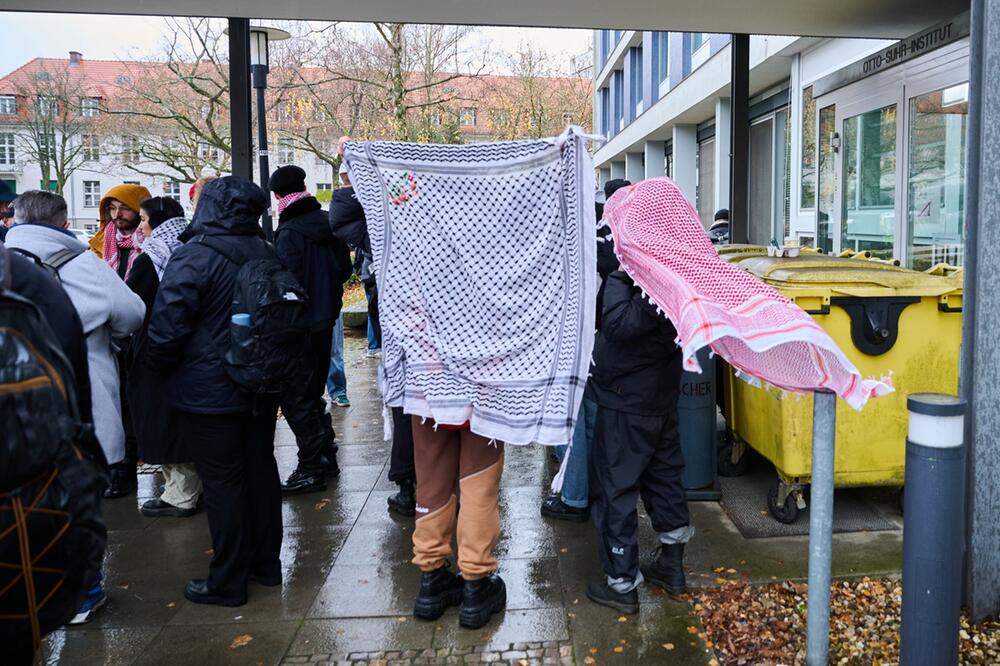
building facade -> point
(70, 98)
(854, 144)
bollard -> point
(821, 527)
(933, 523)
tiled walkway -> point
(349, 588)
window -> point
(284, 153)
(91, 193)
(619, 84)
(826, 195)
(435, 118)
(207, 152)
(47, 146)
(661, 61)
(320, 115)
(8, 105)
(8, 155)
(285, 112)
(698, 39)
(606, 112)
(935, 211)
(467, 117)
(567, 118)
(706, 182)
(172, 189)
(130, 149)
(90, 106)
(131, 182)
(122, 80)
(91, 147)
(869, 178)
(605, 45)
(48, 106)
(355, 112)
(808, 185)
(635, 82)
(324, 187)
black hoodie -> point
(189, 327)
(319, 260)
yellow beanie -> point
(130, 195)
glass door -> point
(935, 205)
(869, 177)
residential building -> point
(854, 144)
(109, 149)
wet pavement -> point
(348, 586)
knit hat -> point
(130, 195)
(286, 180)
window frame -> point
(8, 150)
(4, 99)
(462, 116)
(94, 195)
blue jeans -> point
(576, 485)
(336, 380)
(372, 339)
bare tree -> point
(541, 97)
(56, 120)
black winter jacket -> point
(637, 364)
(189, 328)
(347, 220)
(319, 260)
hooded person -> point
(228, 432)
(119, 207)
(322, 263)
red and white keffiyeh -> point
(664, 248)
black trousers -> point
(305, 410)
(401, 458)
(234, 456)
(634, 456)
(371, 293)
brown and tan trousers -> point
(441, 456)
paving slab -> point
(236, 644)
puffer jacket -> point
(189, 328)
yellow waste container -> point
(884, 318)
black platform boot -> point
(439, 589)
(481, 599)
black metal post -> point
(239, 97)
(739, 142)
(259, 76)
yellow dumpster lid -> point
(852, 277)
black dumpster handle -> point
(824, 310)
(944, 307)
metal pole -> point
(259, 75)
(933, 530)
(821, 527)
(239, 97)
(739, 142)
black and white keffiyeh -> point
(163, 241)
(484, 257)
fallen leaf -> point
(571, 616)
(623, 619)
(720, 580)
(339, 631)
(593, 650)
(730, 571)
(619, 649)
(320, 505)
(172, 604)
(401, 620)
(564, 550)
(240, 641)
(588, 659)
(668, 646)
(693, 630)
(210, 552)
(122, 586)
(522, 662)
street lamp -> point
(260, 38)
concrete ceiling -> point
(821, 18)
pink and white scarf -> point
(664, 248)
(114, 240)
(287, 200)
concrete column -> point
(723, 130)
(604, 174)
(633, 167)
(685, 159)
(980, 366)
(655, 159)
(617, 170)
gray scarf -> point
(163, 241)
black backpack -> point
(52, 535)
(269, 354)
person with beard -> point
(322, 263)
(118, 242)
